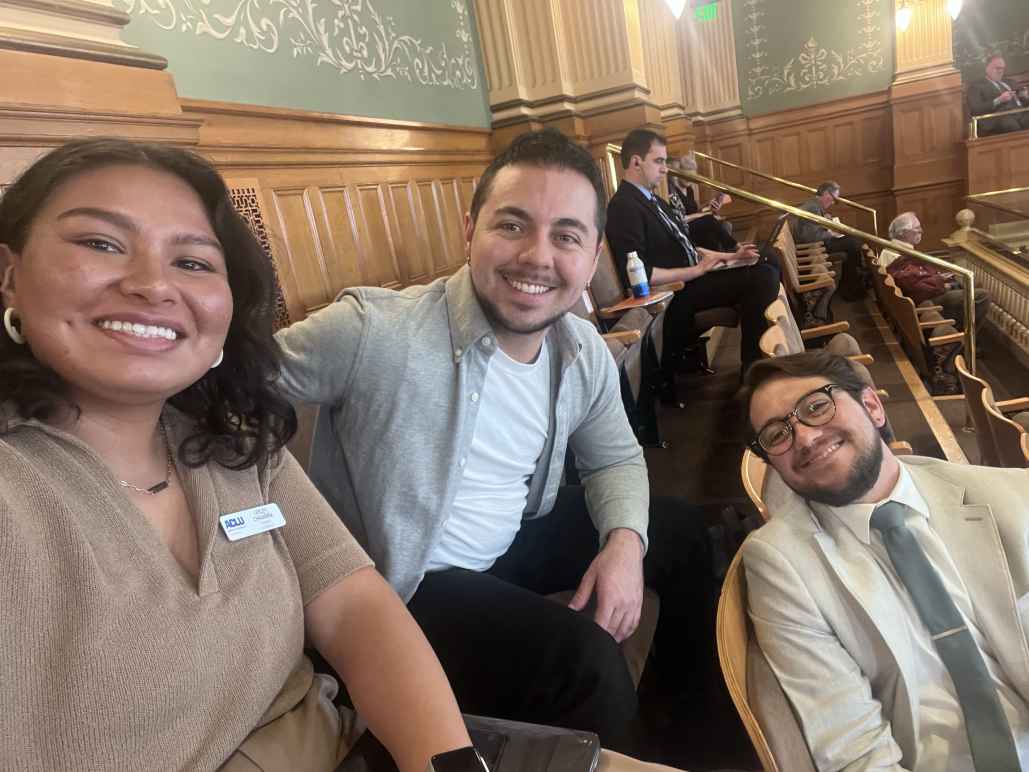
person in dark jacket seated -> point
(805, 231)
(638, 220)
(992, 94)
(922, 281)
(704, 226)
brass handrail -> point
(896, 246)
(973, 124)
(792, 184)
(980, 198)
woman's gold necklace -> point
(153, 490)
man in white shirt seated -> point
(447, 411)
(890, 596)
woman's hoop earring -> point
(16, 336)
(218, 361)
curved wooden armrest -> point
(1013, 405)
(819, 274)
(942, 340)
(816, 285)
(807, 275)
(625, 337)
(930, 323)
(629, 303)
(672, 286)
(926, 309)
(824, 329)
(901, 448)
(862, 359)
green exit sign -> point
(707, 12)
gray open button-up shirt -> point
(399, 376)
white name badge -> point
(248, 522)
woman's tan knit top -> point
(113, 657)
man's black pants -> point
(512, 653)
(749, 289)
(851, 284)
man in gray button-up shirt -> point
(399, 377)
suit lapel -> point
(973, 541)
(862, 577)
(650, 204)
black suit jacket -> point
(981, 94)
(633, 225)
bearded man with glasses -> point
(890, 596)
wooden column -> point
(928, 124)
(593, 68)
(67, 73)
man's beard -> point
(863, 476)
(499, 323)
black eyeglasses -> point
(816, 408)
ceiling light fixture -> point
(954, 9)
(903, 17)
(676, 7)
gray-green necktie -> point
(989, 735)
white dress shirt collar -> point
(647, 193)
(857, 517)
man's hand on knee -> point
(616, 575)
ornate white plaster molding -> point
(350, 36)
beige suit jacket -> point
(834, 631)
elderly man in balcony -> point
(921, 281)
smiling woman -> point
(59, 241)
(164, 558)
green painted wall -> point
(414, 60)
(792, 53)
(997, 25)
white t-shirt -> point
(510, 432)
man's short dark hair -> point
(548, 148)
(990, 56)
(826, 186)
(638, 142)
(809, 364)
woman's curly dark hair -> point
(241, 418)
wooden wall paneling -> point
(432, 216)
(998, 162)
(302, 247)
(452, 216)
(356, 201)
(849, 141)
(845, 143)
(339, 230)
(377, 251)
(414, 257)
(876, 140)
(819, 156)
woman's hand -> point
(398, 686)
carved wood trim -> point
(77, 48)
(76, 9)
